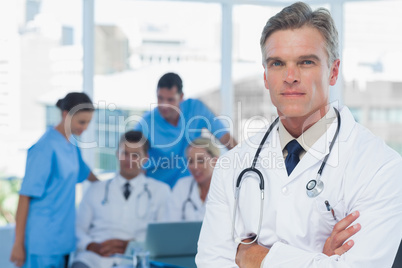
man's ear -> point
(334, 72)
(265, 78)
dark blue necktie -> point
(294, 150)
(127, 190)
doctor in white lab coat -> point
(190, 193)
(115, 211)
(356, 220)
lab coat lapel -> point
(316, 154)
(273, 160)
(117, 189)
(138, 185)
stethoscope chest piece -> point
(314, 188)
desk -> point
(126, 262)
(174, 260)
(177, 261)
(154, 264)
(6, 244)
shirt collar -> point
(121, 181)
(311, 135)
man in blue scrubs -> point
(172, 126)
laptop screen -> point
(171, 239)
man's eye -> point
(277, 63)
(307, 62)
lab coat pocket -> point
(329, 212)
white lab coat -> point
(118, 218)
(362, 174)
(180, 205)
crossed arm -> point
(374, 244)
(85, 217)
(251, 256)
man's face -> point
(297, 74)
(169, 103)
(132, 158)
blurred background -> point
(212, 45)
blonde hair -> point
(206, 143)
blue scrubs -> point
(167, 161)
(54, 165)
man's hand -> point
(95, 247)
(113, 246)
(250, 256)
(335, 244)
(108, 247)
(18, 254)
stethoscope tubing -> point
(188, 200)
(311, 192)
(145, 191)
(261, 185)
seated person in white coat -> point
(319, 189)
(118, 210)
(189, 194)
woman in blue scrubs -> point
(45, 232)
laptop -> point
(173, 242)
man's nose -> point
(292, 74)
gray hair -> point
(298, 15)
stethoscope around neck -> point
(314, 187)
(189, 201)
(145, 191)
